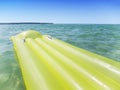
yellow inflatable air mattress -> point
(51, 64)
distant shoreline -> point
(25, 23)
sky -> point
(61, 11)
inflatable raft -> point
(51, 64)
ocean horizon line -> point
(26, 23)
(5, 23)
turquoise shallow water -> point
(101, 39)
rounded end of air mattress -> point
(28, 34)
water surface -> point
(98, 38)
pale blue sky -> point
(60, 11)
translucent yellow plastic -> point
(51, 64)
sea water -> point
(103, 39)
